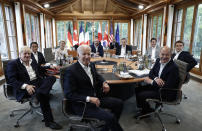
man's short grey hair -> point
(25, 49)
(82, 47)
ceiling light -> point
(140, 6)
(46, 5)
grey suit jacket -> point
(157, 52)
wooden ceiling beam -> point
(45, 1)
(82, 6)
(105, 6)
(62, 6)
(139, 2)
(38, 6)
(93, 8)
(123, 7)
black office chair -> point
(163, 99)
(8, 92)
(76, 121)
(48, 54)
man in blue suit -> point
(164, 74)
(123, 48)
(23, 75)
(83, 83)
(97, 48)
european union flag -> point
(117, 34)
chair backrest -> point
(62, 73)
(182, 66)
(134, 47)
(48, 54)
(8, 90)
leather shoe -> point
(53, 125)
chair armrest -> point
(8, 91)
(67, 111)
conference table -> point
(122, 88)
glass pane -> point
(197, 45)
(154, 26)
(159, 26)
(123, 30)
(60, 30)
(178, 24)
(188, 27)
(28, 29)
(3, 45)
(13, 47)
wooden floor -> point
(189, 111)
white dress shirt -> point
(123, 51)
(30, 71)
(153, 52)
(162, 65)
(177, 54)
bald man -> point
(83, 83)
(164, 74)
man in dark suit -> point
(97, 48)
(114, 44)
(38, 58)
(164, 74)
(183, 55)
(23, 76)
(83, 83)
(123, 49)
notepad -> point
(140, 72)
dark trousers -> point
(43, 87)
(143, 93)
(111, 118)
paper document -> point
(139, 72)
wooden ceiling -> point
(98, 8)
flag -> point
(117, 34)
(105, 42)
(69, 38)
(81, 36)
(99, 33)
(75, 35)
(87, 40)
(111, 36)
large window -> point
(138, 34)
(123, 30)
(197, 44)
(7, 33)
(62, 29)
(188, 27)
(32, 29)
(49, 38)
(177, 26)
(3, 45)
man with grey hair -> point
(23, 76)
(123, 49)
(83, 83)
(164, 74)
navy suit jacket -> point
(17, 75)
(170, 74)
(77, 85)
(112, 46)
(188, 58)
(41, 59)
(128, 48)
(100, 49)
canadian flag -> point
(99, 33)
(75, 35)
